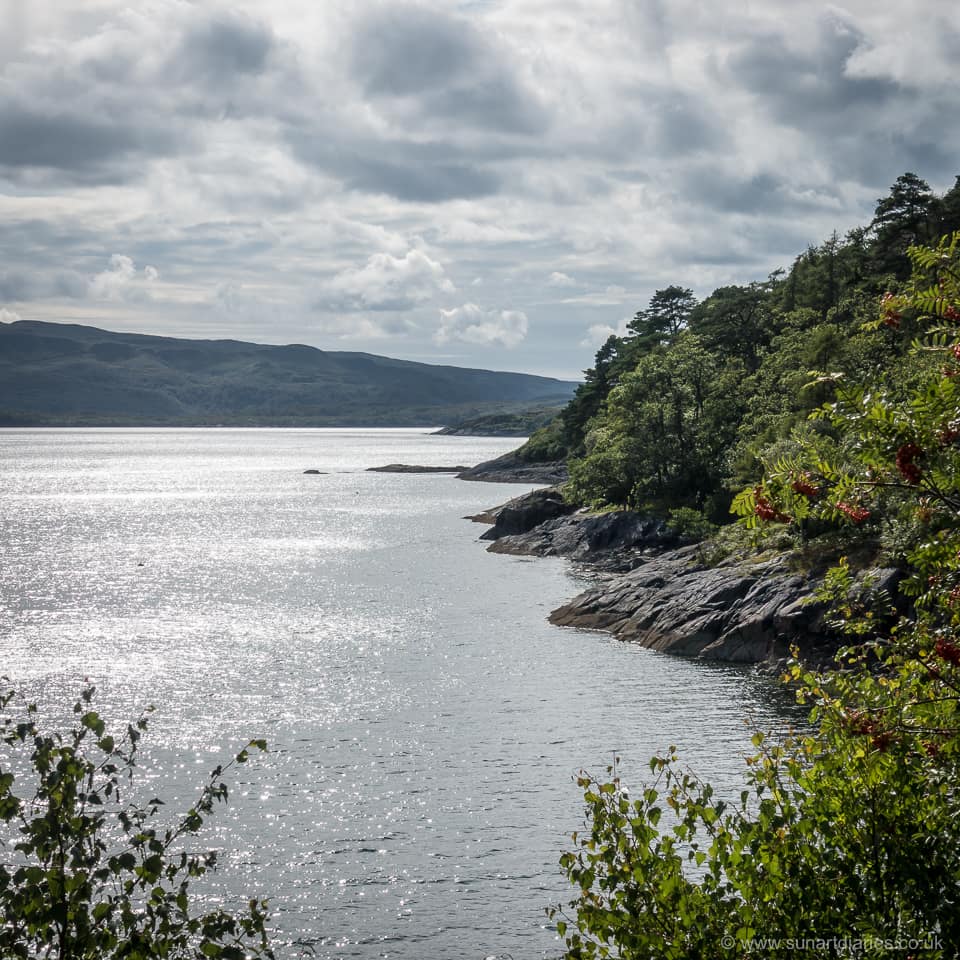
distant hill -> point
(73, 375)
(520, 424)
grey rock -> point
(512, 469)
(610, 541)
(737, 612)
(522, 514)
(413, 468)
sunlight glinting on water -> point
(424, 720)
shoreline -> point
(658, 590)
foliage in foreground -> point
(87, 872)
(845, 842)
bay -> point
(425, 722)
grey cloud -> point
(866, 128)
(22, 285)
(70, 142)
(496, 104)
(762, 194)
(406, 49)
(223, 47)
(810, 90)
(15, 286)
(418, 172)
(683, 127)
(97, 113)
(446, 68)
(433, 183)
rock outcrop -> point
(414, 468)
(522, 514)
(737, 612)
(614, 542)
(512, 469)
(658, 591)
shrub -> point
(89, 873)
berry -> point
(855, 513)
(906, 456)
(948, 650)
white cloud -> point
(386, 282)
(121, 281)
(558, 279)
(599, 333)
(9, 316)
(471, 324)
(610, 296)
(357, 327)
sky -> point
(488, 183)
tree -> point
(661, 436)
(88, 873)
(735, 321)
(591, 394)
(901, 219)
(845, 841)
(667, 314)
(947, 210)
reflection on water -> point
(425, 721)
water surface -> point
(424, 720)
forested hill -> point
(699, 398)
(66, 374)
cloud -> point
(356, 327)
(224, 47)
(347, 166)
(470, 324)
(431, 171)
(85, 147)
(435, 66)
(599, 333)
(385, 282)
(121, 281)
(23, 284)
(9, 316)
(612, 295)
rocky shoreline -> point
(659, 591)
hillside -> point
(68, 374)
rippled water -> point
(424, 719)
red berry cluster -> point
(948, 650)
(803, 485)
(855, 513)
(888, 311)
(955, 350)
(948, 433)
(952, 313)
(906, 457)
(861, 723)
(765, 510)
